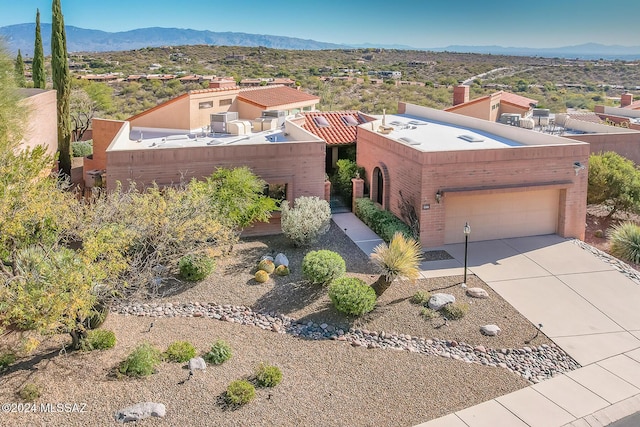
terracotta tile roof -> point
(273, 96)
(338, 132)
(518, 100)
(585, 117)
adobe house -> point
(490, 107)
(452, 169)
(192, 135)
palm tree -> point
(400, 258)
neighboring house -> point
(192, 135)
(338, 129)
(42, 126)
(452, 169)
(490, 107)
(267, 82)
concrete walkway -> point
(585, 306)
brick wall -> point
(625, 144)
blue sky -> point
(417, 23)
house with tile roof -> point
(490, 107)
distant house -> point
(490, 107)
(267, 82)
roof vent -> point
(471, 138)
(409, 141)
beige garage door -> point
(503, 215)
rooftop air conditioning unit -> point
(219, 121)
(278, 114)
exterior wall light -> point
(577, 166)
(438, 196)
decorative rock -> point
(197, 364)
(490, 330)
(269, 257)
(141, 411)
(477, 293)
(480, 349)
(281, 259)
(437, 301)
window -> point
(277, 192)
(321, 122)
(225, 102)
(205, 105)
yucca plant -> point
(625, 241)
(400, 258)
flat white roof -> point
(430, 135)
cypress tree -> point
(62, 84)
(20, 80)
(39, 80)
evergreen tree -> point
(20, 80)
(39, 80)
(62, 84)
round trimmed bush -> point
(141, 362)
(29, 392)
(323, 266)
(625, 241)
(282, 270)
(194, 267)
(266, 265)
(455, 310)
(261, 276)
(268, 375)
(240, 392)
(6, 359)
(351, 295)
(420, 297)
(220, 352)
(180, 351)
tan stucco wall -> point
(104, 131)
(202, 117)
(42, 127)
(173, 115)
(626, 144)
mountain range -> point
(21, 36)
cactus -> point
(267, 266)
(282, 270)
(261, 276)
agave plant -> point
(625, 241)
(400, 258)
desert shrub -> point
(282, 270)
(268, 375)
(180, 351)
(347, 170)
(323, 266)
(261, 276)
(6, 359)
(455, 310)
(29, 392)
(351, 295)
(400, 258)
(382, 222)
(625, 241)
(420, 297)
(98, 339)
(141, 362)
(82, 148)
(266, 265)
(429, 314)
(195, 267)
(97, 315)
(240, 392)
(308, 219)
(220, 352)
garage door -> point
(502, 215)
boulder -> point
(437, 301)
(490, 330)
(477, 293)
(269, 257)
(197, 363)
(281, 259)
(141, 411)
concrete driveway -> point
(585, 305)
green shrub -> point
(420, 297)
(352, 296)
(195, 267)
(98, 339)
(266, 265)
(220, 352)
(323, 266)
(82, 148)
(141, 362)
(268, 375)
(29, 392)
(383, 223)
(261, 276)
(282, 270)
(97, 315)
(180, 351)
(308, 219)
(455, 310)
(346, 170)
(240, 392)
(6, 359)
(429, 314)
(625, 241)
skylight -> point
(409, 141)
(350, 121)
(471, 138)
(321, 122)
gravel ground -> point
(326, 383)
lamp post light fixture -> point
(467, 231)
(438, 196)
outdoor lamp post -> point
(467, 231)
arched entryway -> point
(378, 186)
